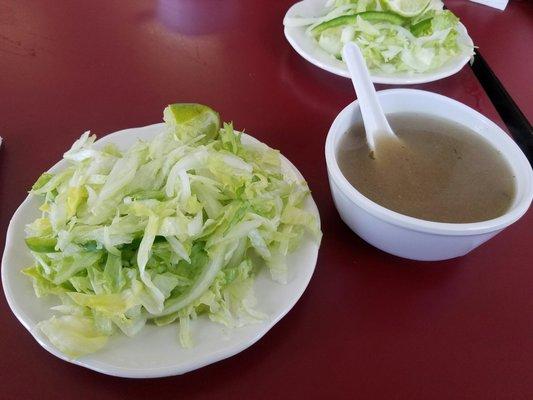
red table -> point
(369, 325)
(504, 39)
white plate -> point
(155, 351)
(309, 49)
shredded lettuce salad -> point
(163, 232)
(389, 41)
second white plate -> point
(155, 351)
(309, 49)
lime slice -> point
(41, 244)
(191, 120)
(406, 8)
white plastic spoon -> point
(374, 120)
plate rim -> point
(151, 372)
(438, 74)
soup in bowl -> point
(454, 181)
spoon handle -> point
(372, 113)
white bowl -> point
(308, 48)
(410, 237)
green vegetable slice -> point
(373, 16)
(41, 244)
(190, 120)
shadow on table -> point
(197, 17)
(310, 84)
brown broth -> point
(439, 170)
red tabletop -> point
(504, 39)
(370, 325)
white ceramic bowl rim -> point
(513, 157)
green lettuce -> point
(389, 42)
(161, 233)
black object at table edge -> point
(510, 113)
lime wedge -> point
(41, 244)
(191, 120)
(406, 8)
